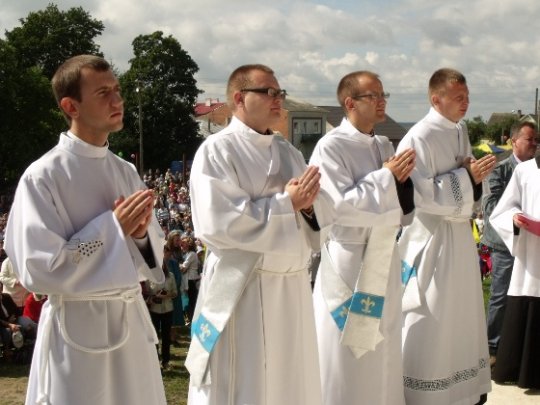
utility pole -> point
(138, 90)
(536, 112)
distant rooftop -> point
(208, 106)
(389, 127)
(293, 104)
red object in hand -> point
(533, 225)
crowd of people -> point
(396, 314)
(171, 304)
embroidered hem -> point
(442, 384)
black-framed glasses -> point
(270, 91)
(372, 96)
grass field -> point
(13, 378)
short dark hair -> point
(239, 79)
(441, 77)
(514, 131)
(66, 82)
(348, 85)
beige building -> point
(302, 123)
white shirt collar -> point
(242, 129)
(69, 141)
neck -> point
(364, 127)
(361, 125)
(92, 139)
(448, 118)
(257, 128)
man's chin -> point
(117, 127)
(274, 120)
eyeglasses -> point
(372, 96)
(269, 91)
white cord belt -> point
(57, 304)
(456, 219)
(279, 273)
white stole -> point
(358, 314)
(228, 281)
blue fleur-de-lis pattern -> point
(407, 272)
(367, 304)
(207, 334)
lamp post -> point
(141, 164)
(537, 111)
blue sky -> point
(312, 44)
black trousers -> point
(163, 323)
(192, 293)
(518, 356)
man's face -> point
(370, 108)
(452, 102)
(259, 111)
(101, 109)
(525, 145)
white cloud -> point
(312, 44)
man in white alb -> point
(371, 193)
(255, 206)
(445, 352)
(81, 231)
(518, 354)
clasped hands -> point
(481, 168)
(402, 164)
(134, 213)
(304, 190)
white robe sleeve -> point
(502, 216)
(370, 201)
(156, 242)
(50, 259)
(440, 193)
(226, 216)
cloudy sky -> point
(312, 44)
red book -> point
(533, 225)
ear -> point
(435, 99)
(238, 98)
(69, 107)
(349, 104)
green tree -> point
(477, 129)
(48, 37)
(30, 120)
(167, 91)
(496, 130)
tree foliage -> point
(163, 73)
(496, 130)
(48, 37)
(476, 128)
(30, 119)
(479, 129)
